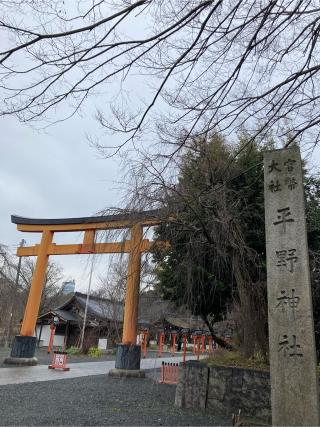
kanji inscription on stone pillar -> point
(294, 384)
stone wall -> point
(224, 390)
(192, 388)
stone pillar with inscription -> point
(294, 382)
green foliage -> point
(217, 253)
(95, 352)
(237, 360)
(74, 351)
(312, 188)
(218, 201)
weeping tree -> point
(217, 261)
(217, 237)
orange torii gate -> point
(128, 354)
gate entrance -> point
(128, 354)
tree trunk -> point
(220, 341)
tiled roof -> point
(101, 308)
(66, 315)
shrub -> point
(73, 351)
(95, 352)
(236, 359)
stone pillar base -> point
(22, 351)
(127, 373)
(128, 357)
(21, 361)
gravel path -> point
(97, 400)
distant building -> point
(104, 322)
(68, 287)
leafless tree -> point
(180, 67)
(14, 294)
(51, 295)
(113, 285)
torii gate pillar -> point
(128, 352)
(24, 345)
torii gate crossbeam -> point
(128, 356)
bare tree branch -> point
(195, 68)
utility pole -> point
(87, 302)
(14, 290)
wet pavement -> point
(26, 374)
(45, 359)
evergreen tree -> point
(217, 253)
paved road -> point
(26, 374)
(45, 359)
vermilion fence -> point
(169, 373)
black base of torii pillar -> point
(127, 362)
(22, 351)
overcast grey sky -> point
(53, 174)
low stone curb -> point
(21, 361)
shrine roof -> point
(65, 315)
